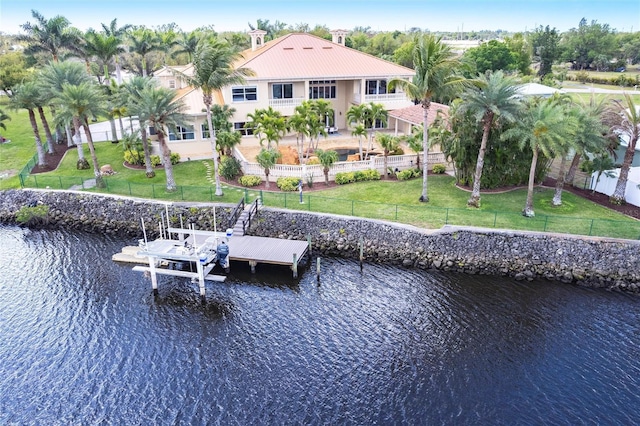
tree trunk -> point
(326, 176)
(94, 158)
(528, 207)
(118, 71)
(42, 161)
(114, 132)
(82, 163)
(214, 149)
(621, 186)
(386, 155)
(474, 200)
(425, 153)
(166, 161)
(150, 173)
(571, 173)
(266, 173)
(47, 131)
(557, 197)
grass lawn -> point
(388, 200)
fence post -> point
(21, 180)
(211, 193)
(182, 192)
(352, 208)
(446, 219)
(153, 190)
(495, 218)
(285, 200)
(546, 219)
(60, 181)
(246, 196)
(396, 212)
(591, 227)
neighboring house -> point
(288, 71)
(607, 184)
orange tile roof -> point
(305, 56)
(413, 113)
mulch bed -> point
(53, 160)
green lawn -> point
(388, 200)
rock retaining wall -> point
(588, 261)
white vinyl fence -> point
(607, 185)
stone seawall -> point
(587, 261)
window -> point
(322, 89)
(172, 84)
(181, 133)
(245, 93)
(282, 90)
(205, 130)
(239, 127)
(377, 87)
(152, 131)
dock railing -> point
(235, 214)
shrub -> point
(345, 177)
(439, 168)
(32, 215)
(397, 151)
(288, 183)
(358, 176)
(230, 168)
(250, 180)
(313, 161)
(175, 158)
(405, 174)
(134, 157)
(155, 160)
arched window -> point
(339, 39)
(258, 41)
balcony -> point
(285, 103)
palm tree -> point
(132, 92)
(594, 109)
(187, 43)
(542, 128)
(587, 137)
(435, 66)
(269, 125)
(52, 35)
(298, 122)
(492, 101)
(326, 158)
(389, 144)
(623, 118)
(158, 107)
(227, 140)
(372, 114)
(213, 70)
(51, 80)
(143, 41)
(27, 96)
(356, 114)
(79, 102)
(113, 30)
(104, 47)
(267, 158)
(414, 140)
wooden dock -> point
(273, 251)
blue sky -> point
(380, 15)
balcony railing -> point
(285, 103)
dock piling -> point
(295, 265)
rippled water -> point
(84, 341)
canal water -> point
(84, 341)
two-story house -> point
(288, 71)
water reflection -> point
(84, 338)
